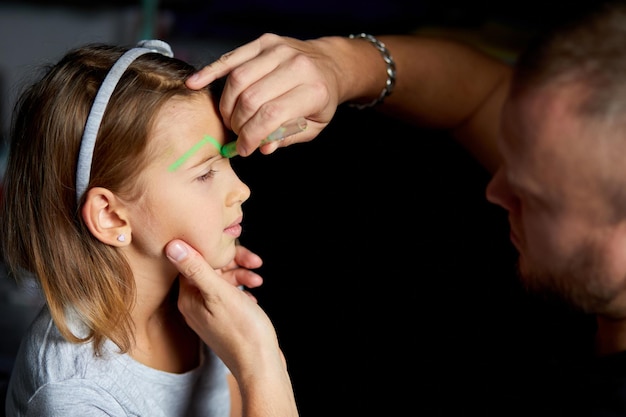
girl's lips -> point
(234, 229)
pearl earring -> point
(121, 238)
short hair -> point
(589, 48)
(586, 51)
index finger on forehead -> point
(225, 64)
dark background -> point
(390, 279)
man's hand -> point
(238, 272)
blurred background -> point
(389, 277)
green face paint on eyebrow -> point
(194, 149)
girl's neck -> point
(163, 340)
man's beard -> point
(580, 282)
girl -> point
(111, 158)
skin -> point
(238, 331)
(192, 203)
(239, 271)
(274, 79)
(549, 163)
(570, 242)
(200, 202)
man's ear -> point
(105, 216)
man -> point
(552, 131)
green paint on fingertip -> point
(229, 149)
(206, 139)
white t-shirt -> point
(53, 377)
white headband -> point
(88, 142)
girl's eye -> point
(205, 177)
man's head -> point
(563, 178)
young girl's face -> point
(190, 190)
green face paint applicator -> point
(290, 128)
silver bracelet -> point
(391, 70)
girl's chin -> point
(226, 260)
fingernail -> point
(194, 77)
(177, 251)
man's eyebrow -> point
(206, 139)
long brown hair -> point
(43, 233)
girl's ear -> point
(105, 216)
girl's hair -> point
(43, 233)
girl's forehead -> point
(189, 116)
(185, 129)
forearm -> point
(439, 84)
(269, 396)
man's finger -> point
(223, 65)
(191, 264)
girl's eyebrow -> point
(206, 139)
